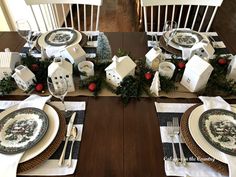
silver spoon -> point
(74, 134)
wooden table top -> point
(118, 140)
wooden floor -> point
(120, 16)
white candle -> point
(166, 69)
(86, 67)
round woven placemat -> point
(168, 47)
(34, 162)
(195, 149)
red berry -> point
(148, 75)
(92, 87)
(34, 67)
(181, 65)
(222, 61)
(39, 87)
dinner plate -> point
(218, 126)
(45, 39)
(22, 129)
(199, 138)
(47, 139)
(184, 38)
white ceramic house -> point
(74, 53)
(60, 68)
(8, 61)
(24, 78)
(231, 75)
(203, 49)
(196, 74)
(153, 58)
(119, 68)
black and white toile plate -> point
(60, 37)
(22, 129)
(186, 38)
(218, 126)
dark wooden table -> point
(118, 140)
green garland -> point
(217, 83)
(7, 85)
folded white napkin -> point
(220, 103)
(9, 163)
(214, 102)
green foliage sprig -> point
(7, 85)
(39, 68)
(218, 84)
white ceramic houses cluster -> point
(232, 69)
(196, 74)
(203, 49)
(23, 77)
(60, 69)
(8, 61)
(154, 57)
(119, 68)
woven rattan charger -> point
(34, 162)
(168, 48)
(195, 149)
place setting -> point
(53, 43)
(207, 137)
(181, 42)
(32, 138)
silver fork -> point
(171, 134)
(177, 133)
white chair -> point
(52, 14)
(194, 14)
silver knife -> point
(68, 133)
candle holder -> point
(86, 67)
(166, 69)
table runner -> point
(194, 168)
(50, 167)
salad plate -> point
(53, 128)
(199, 138)
(218, 126)
(183, 38)
(22, 129)
(60, 37)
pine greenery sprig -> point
(7, 85)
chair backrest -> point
(194, 14)
(52, 14)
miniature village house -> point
(24, 78)
(196, 74)
(59, 69)
(232, 69)
(74, 53)
(8, 61)
(203, 49)
(119, 68)
(153, 58)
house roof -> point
(60, 64)
(122, 65)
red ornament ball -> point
(148, 75)
(39, 87)
(222, 61)
(92, 87)
(34, 67)
(181, 65)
